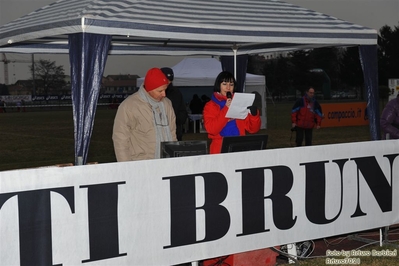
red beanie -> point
(154, 78)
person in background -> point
(144, 120)
(23, 105)
(205, 99)
(178, 104)
(3, 106)
(305, 115)
(196, 105)
(214, 114)
(389, 120)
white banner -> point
(15, 98)
(170, 211)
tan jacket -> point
(134, 134)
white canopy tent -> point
(89, 30)
(194, 72)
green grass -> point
(280, 136)
(35, 139)
(43, 138)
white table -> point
(194, 118)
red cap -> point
(154, 78)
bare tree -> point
(48, 76)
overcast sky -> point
(370, 13)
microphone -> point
(228, 95)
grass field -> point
(43, 138)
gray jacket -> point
(134, 133)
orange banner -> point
(344, 114)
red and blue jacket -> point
(218, 126)
(306, 113)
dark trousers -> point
(179, 132)
(300, 132)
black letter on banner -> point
(253, 199)
(183, 208)
(103, 221)
(376, 181)
(34, 210)
(315, 202)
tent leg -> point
(80, 160)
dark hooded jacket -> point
(390, 119)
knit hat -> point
(154, 78)
(168, 73)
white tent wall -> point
(257, 83)
(197, 76)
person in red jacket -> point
(305, 115)
(214, 114)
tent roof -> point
(191, 72)
(182, 27)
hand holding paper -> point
(253, 109)
(239, 105)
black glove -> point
(253, 109)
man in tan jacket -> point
(144, 120)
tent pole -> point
(235, 60)
(80, 160)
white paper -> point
(239, 105)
